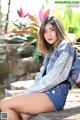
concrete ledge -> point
(67, 114)
(21, 85)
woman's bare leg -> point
(26, 116)
(31, 104)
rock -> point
(22, 66)
(4, 71)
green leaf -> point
(69, 13)
(78, 21)
(36, 54)
(66, 22)
(31, 37)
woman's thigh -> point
(34, 103)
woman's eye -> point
(52, 29)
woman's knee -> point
(4, 104)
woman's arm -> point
(56, 75)
(66, 65)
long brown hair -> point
(43, 45)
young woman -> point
(60, 70)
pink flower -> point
(7, 32)
(42, 15)
(21, 13)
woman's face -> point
(50, 34)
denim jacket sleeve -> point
(42, 69)
(59, 72)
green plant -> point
(26, 29)
(31, 31)
(78, 40)
(36, 54)
(70, 20)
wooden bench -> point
(71, 109)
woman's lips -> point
(50, 39)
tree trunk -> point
(0, 19)
(7, 17)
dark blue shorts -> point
(58, 95)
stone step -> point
(20, 85)
(9, 93)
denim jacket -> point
(60, 65)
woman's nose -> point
(49, 34)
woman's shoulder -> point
(64, 44)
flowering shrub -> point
(27, 27)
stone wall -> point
(16, 67)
